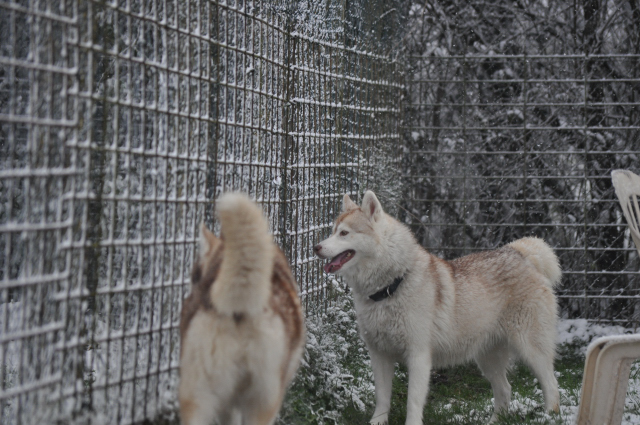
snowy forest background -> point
(121, 122)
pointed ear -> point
(371, 206)
(207, 241)
(347, 203)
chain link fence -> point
(122, 121)
(120, 124)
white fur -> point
(245, 275)
(541, 257)
(225, 356)
(488, 310)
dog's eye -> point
(344, 233)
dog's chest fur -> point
(382, 325)
(388, 325)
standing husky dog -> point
(418, 309)
(242, 326)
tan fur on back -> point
(241, 345)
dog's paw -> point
(379, 419)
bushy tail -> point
(541, 256)
(243, 285)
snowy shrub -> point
(335, 373)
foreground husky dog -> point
(416, 308)
(242, 326)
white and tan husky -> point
(242, 326)
(416, 308)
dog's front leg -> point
(383, 376)
(419, 367)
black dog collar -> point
(387, 291)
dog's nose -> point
(317, 248)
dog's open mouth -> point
(338, 261)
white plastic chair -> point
(627, 187)
(608, 363)
(606, 377)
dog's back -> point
(242, 326)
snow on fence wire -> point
(514, 120)
(120, 123)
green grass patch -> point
(461, 395)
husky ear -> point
(371, 206)
(207, 241)
(347, 203)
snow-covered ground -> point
(580, 331)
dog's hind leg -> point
(419, 365)
(537, 349)
(494, 363)
(383, 376)
(541, 365)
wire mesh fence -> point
(120, 123)
(513, 124)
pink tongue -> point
(336, 263)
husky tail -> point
(243, 285)
(541, 256)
